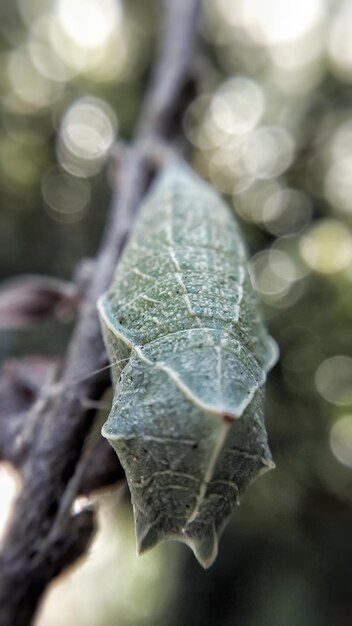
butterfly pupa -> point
(187, 417)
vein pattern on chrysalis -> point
(187, 418)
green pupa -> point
(189, 357)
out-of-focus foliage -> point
(272, 130)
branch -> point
(23, 388)
(32, 299)
(45, 536)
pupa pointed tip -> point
(148, 541)
(268, 464)
(147, 534)
(206, 563)
(205, 549)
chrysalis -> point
(187, 417)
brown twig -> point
(45, 537)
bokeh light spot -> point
(268, 152)
(29, 85)
(226, 169)
(89, 23)
(338, 185)
(287, 211)
(238, 105)
(250, 202)
(66, 197)
(200, 127)
(289, 244)
(273, 273)
(43, 53)
(327, 247)
(340, 41)
(87, 132)
(341, 440)
(333, 380)
(273, 21)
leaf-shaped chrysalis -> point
(189, 357)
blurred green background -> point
(272, 130)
